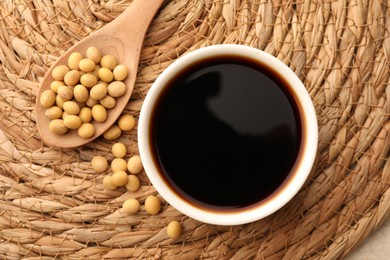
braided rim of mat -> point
(53, 204)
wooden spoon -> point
(121, 38)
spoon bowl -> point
(121, 38)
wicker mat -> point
(53, 205)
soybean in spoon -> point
(122, 38)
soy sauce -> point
(226, 132)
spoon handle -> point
(134, 21)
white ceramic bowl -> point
(307, 151)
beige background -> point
(375, 247)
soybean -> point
(88, 80)
(133, 183)
(152, 205)
(116, 89)
(131, 206)
(119, 178)
(53, 112)
(99, 113)
(60, 102)
(72, 78)
(102, 82)
(126, 122)
(174, 229)
(80, 93)
(118, 164)
(112, 133)
(87, 65)
(105, 75)
(91, 102)
(64, 114)
(120, 72)
(47, 98)
(99, 164)
(72, 122)
(57, 126)
(96, 71)
(56, 84)
(85, 115)
(94, 54)
(134, 164)
(58, 73)
(107, 183)
(119, 150)
(98, 92)
(66, 93)
(108, 61)
(71, 107)
(86, 130)
(108, 102)
(74, 60)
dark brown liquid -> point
(226, 135)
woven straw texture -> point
(52, 204)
